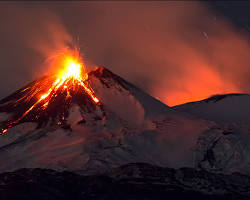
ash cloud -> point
(30, 33)
(176, 51)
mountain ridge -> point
(128, 126)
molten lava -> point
(71, 78)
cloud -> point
(176, 51)
(30, 33)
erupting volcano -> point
(90, 122)
(43, 97)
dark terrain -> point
(132, 181)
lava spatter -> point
(53, 91)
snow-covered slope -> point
(226, 147)
(229, 108)
(126, 126)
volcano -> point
(97, 132)
(40, 100)
(92, 124)
(52, 106)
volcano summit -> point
(90, 122)
(50, 97)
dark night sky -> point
(176, 51)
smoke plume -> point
(176, 51)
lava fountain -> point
(70, 77)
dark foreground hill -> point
(131, 181)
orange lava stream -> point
(71, 76)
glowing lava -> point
(72, 74)
(71, 78)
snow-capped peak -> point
(127, 125)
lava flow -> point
(70, 80)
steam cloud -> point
(176, 51)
